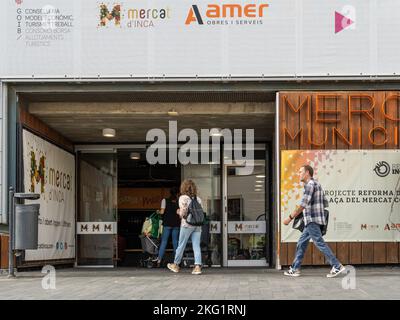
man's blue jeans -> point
(164, 240)
(313, 231)
(184, 235)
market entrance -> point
(118, 186)
(119, 189)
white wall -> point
(291, 38)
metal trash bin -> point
(26, 226)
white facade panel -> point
(251, 38)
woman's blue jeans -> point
(164, 240)
(184, 235)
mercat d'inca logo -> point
(37, 173)
(107, 15)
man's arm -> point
(293, 215)
(308, 192)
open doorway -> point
(141, 188)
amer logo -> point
(392, 226)
(221, 11)
(194, 15)
(109, 15)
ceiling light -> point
(260, 176)
(258, 185)
(135, 155)
(173, 113)
(257, 190)
(109, 133)
(216, 132)
(259, 181)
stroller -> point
(150, 249)
(188, 255)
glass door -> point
(97, 209)
(245, 214)
(207, 177)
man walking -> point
(312, 205)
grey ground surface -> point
(215, 283)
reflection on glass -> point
(246, 213)
(207, 177)
(97, 203)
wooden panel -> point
(393, 111)
(378, 139)
(291, 252)
(355, 253)
(367, 256)
(379, 252)
(392, 253)
(41, 128)
(4, 251)
(284, 254)
(343, 252)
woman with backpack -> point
(171, 223)
(189, 205)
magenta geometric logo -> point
(18, 2)
(341, 22)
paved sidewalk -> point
(222, 284)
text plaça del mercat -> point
(362, 196)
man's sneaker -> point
(196, 269)
(173, 267)
(292, 273)
(334, 271)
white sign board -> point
(50, 171)
(247, 227)
(96, 228)
(165, 38)
(361, 186)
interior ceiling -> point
(81, 117)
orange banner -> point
(141, 198)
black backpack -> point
(195, 215)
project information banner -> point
(202, 38)
(362, 187)
(50, 171)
